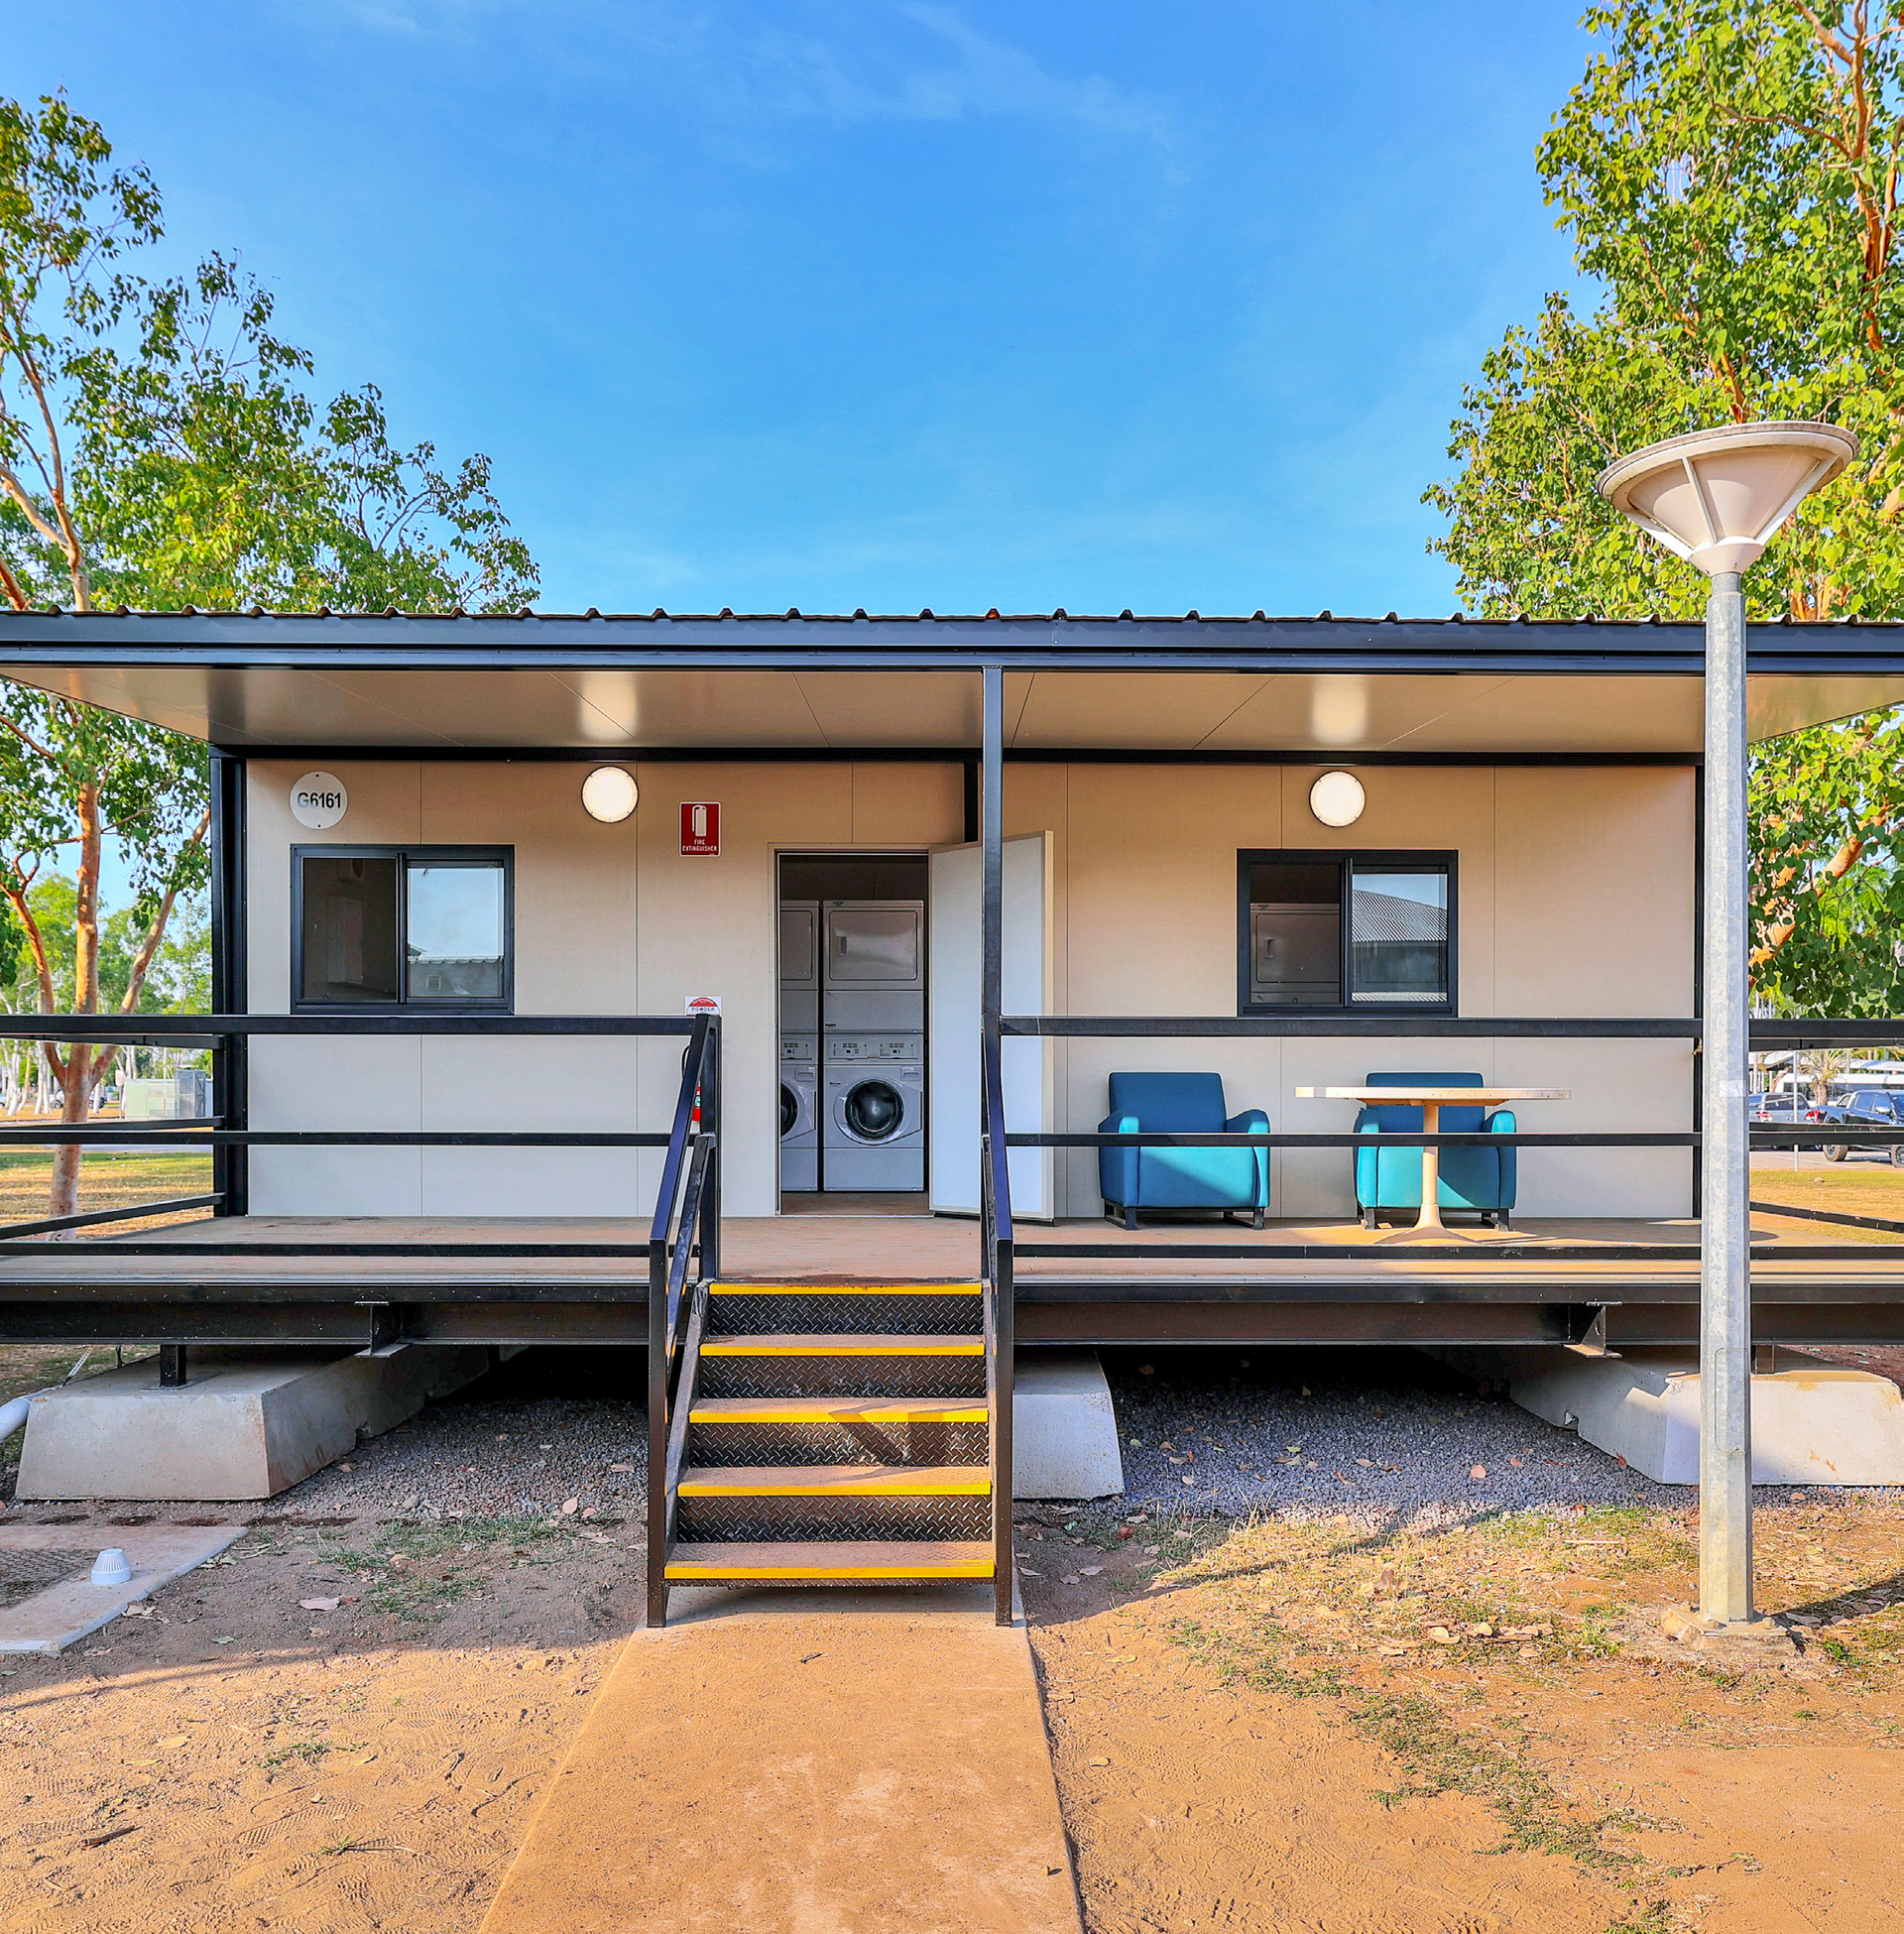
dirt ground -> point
(235, 1760)
(1308, 1727)
(1331, 1726)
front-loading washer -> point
(874, 1128)
(799, 1114)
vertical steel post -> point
(710, 1230)
(1725, 1287)
(997, 1232)
(231, 1053)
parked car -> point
(1869, 1107)
(1787, 1108)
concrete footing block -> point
(248, 1423)
(1064, 1432)
(1812, 1424)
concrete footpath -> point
(864, 1767)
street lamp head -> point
(1717, 496)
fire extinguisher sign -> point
(701, 828)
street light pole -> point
(1724, 1265)
(1716, 498)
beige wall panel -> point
(613, 919)
(323, 1082)
(907, 805)
(708, 927)
(1149, 923)
(1596, 891)
(584, 1082)
(1623, 1086)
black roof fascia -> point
(1059, 643)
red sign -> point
(700, 827)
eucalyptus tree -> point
(159, 451)
(1729, 170)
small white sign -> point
(703, 1003)
(318, 801)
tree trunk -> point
(81, 1065)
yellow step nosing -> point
(956, 1568)
(876, 1411)
(926, 1487)
(896, 1346)
(844, 1288)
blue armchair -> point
(1131, 1178)
(1472, 1177)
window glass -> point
(455, 940)
(1295, 934)
(349, 941)
(1398, 935)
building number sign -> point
(318, 801)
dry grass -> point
(107, 1180)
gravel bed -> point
(492, 1457)
(1387, 1437)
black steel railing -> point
(686, 1225)
(1764, 1134)
(997, 1295)
(230, 1136)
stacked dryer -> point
(799, 1046)
(873, 1030)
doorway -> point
(854, 1094)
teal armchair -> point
(1131, 1178)
(1474, 1177)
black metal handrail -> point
(688, 1209)
(229, 1140)
(999, 1300)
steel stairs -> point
(832, 1435)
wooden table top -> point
(1479, 1097)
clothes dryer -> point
(799, 1114)
(799, 966)
(872, 975)
(874, 1128)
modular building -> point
(573, 973)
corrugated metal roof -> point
(1389, 920)
(1059, 616)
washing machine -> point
(874, 1127)
(799, 1114)
(873, 973)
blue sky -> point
(872, 303)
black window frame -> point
(405, 855)
(1371, 859)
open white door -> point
(952, 1019)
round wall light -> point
(609, 793)
(1337, 798)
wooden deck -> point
(306, 1278)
